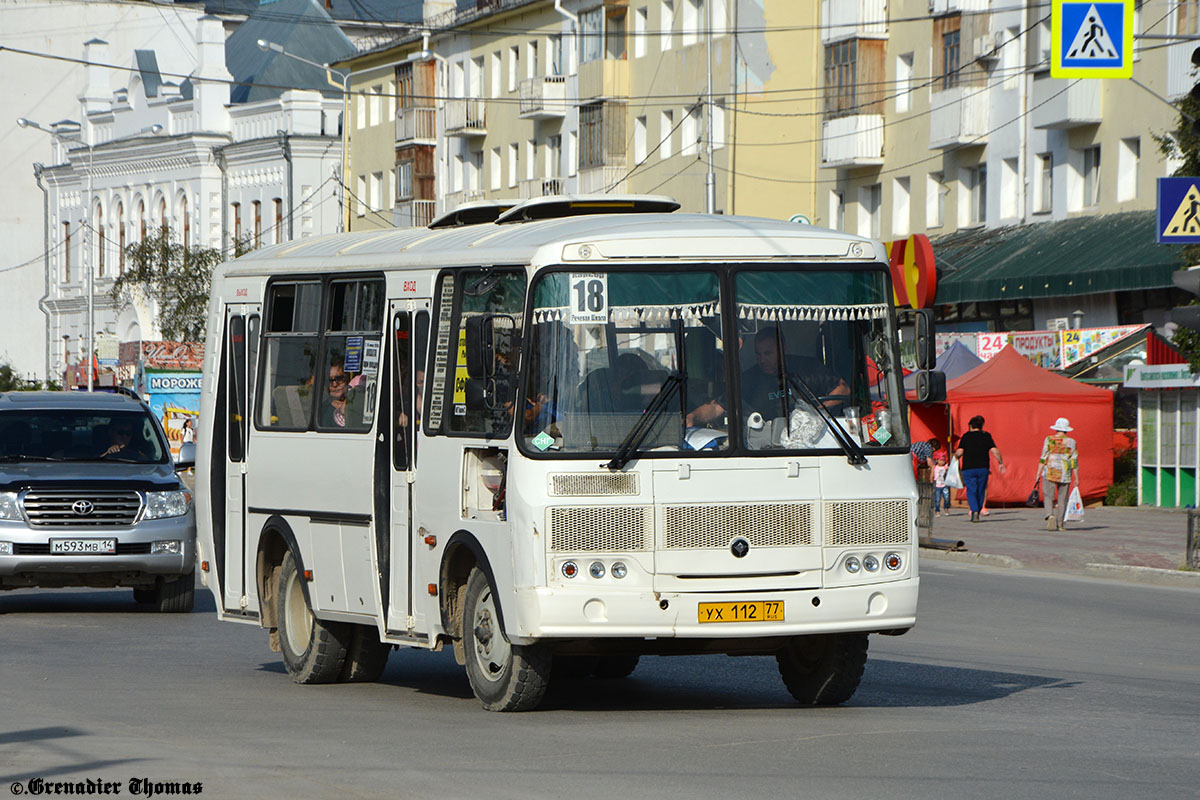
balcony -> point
(598, 180)
(465, 118)
(539, 187)
(544, 97)
(416, 126)
(939, 7)
(843, 19)
(852, 141)
(604, 78)
(1065, 104)
(413, 213)
(959, 117)
(456, 199)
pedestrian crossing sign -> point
(1179, 210)
(1091, 39)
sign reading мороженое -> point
(177, 382)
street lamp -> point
(76, 135)
(275, 47)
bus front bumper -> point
(553, 613)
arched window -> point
(162, 216)
(185, 221)
(141, 215)
(120, 223)
(66, 252)
(101, 240)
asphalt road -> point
(1013, 685)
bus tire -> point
(615, 667)
(823, 670)
(504, 676)
(366, 656)
(313, 650)
(176, 596)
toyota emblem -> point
(739, 548)
(82, 508)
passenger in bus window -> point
(761, 383)
(705, 384)
(335, 412)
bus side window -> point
(353, 345)
(290, 344)
(406, 418)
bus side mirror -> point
(931, 386)
(481, 354)
(926, 340)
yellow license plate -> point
(752, 611)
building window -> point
(666, 126)
(497, 69)
(1128, 156)
(514, 67)
(360, 111)
(870, 199)
(840, 77)
(950, 59)
(513, 155)
(185, 221)
(641, 17)
(904, 82)
(573, 153)
(554, 52)
(591, 26)
(361, 195)
(690, 25)
(1188, 21)
(237, 225)
(404, 184)
(553, 156)
(120, 238)
(98, 227)
(1043, 200)
(666, 24)
(639, 140)
(1008, 189)
(141, 215)
(837, 210)
(278, 203)
(717, 109)
(1091, 176)
(257, 224)
(935, 200)
(901, 215)
(496, 168)
(376, 104)
(66, 229)
(690, 132)
(533, 62)
(614, 33)
(976, 194)
(162, 217)
(591, 135)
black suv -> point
(89, 496)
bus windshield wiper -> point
(854, 453)
(654, 410)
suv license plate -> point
(82, 546)
(753, 611)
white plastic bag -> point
(953, 476)
(1074, 506)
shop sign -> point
(1043, 348)
(1160, 376)
(988, 345)
(1080, 344)
(914, 271)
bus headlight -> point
(619, 570)
(160, 505)
(570, 569)
(853, 565)
(596, 570)
(870, 563)
(893, 561)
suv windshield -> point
(606, 348)
(64, 435)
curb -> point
(1151, 575)
(966, 557)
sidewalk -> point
(1144, 544)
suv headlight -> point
(9, 507)
(167, 504)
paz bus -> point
(561, 435)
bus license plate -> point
(753, 611)
(82, 546)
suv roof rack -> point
(477, 212)
(575, 205)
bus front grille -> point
(866, 522)
(593, 484)
(600, 529)
(703, 526)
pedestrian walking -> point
(975, 450)
(941, 492)
(1059, 463)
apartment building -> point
(515, 99)
(1038, 193)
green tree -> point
(12, 381)
(1184, 144)
(177, 278)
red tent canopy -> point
(1020, 401)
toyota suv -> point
(89, 496)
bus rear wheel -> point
(823, 670)
(314, 651)
(504, 676)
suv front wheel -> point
(174, 596)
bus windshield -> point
(643, 360)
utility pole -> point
(710, 179)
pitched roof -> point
(383, 11)
(301, 27)
(1010, 376)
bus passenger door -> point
(242, 327)
(409, 336)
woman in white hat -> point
(1059, 462)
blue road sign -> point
(1091, 39)
(1179, 210)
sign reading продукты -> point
(1179, 210)
(1091, 39)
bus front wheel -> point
(823, 670)
(504, 676)
(313, 650)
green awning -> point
(1081, 255)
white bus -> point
(564, 434)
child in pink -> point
(941, 492)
